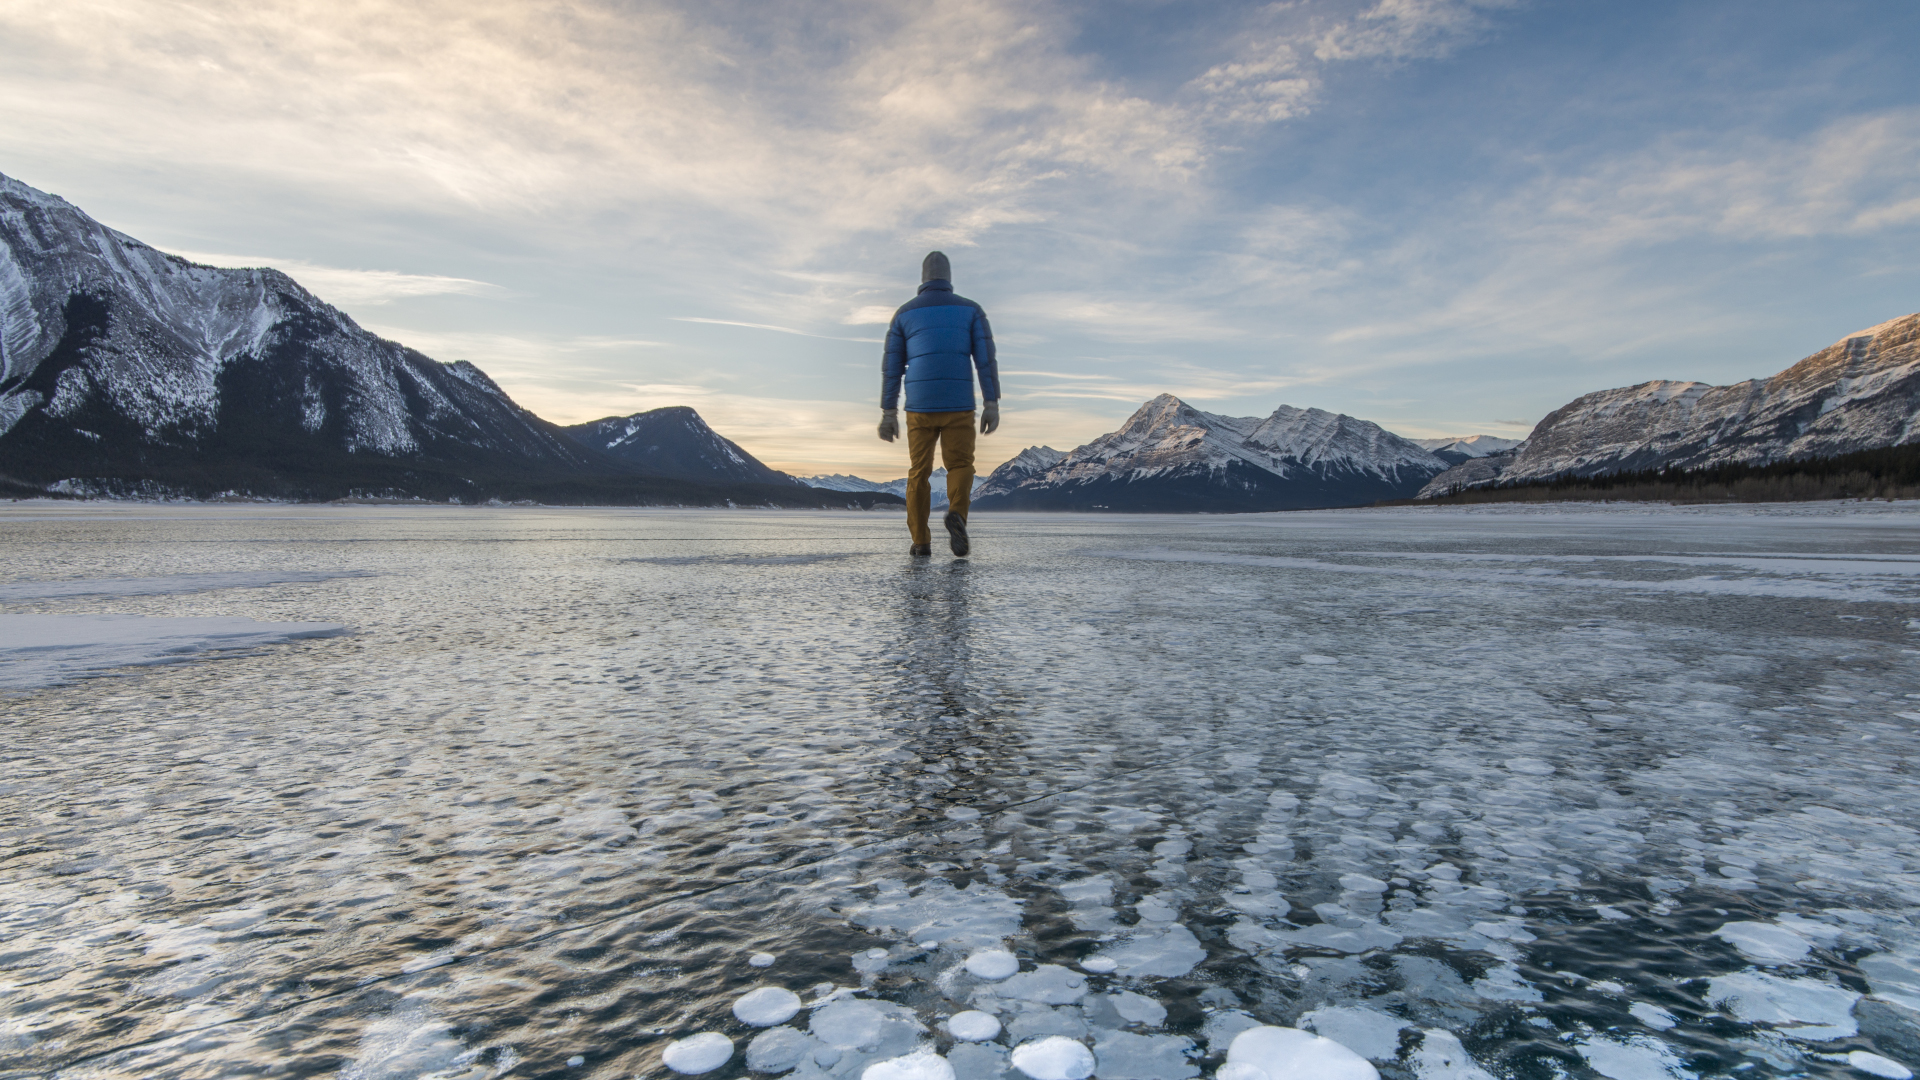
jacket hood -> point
(937, 283)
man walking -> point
(936, 343)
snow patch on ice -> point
(1768, 943)
(1797, 1008)
(698, 1054)
(973, 1026)
(1632, 1057)
(767, 1006)
(1284, 1053)
(1055, 1057)
(976, 915)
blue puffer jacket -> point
(937, 341)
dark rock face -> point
(125, 370)
(1861, 393)
(675, 442)
(1172, 458)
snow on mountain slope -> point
(1460, 448)
(112, 351)
(676, 442)
(1171, 456)
(1860, 393)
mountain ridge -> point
(124, 369)
(1171, 457)
(1860, 393)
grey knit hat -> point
(935, 265)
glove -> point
(889, 425)
(990, 418)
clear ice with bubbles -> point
(1513, 792)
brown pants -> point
(954, 432)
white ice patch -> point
(1055, 1057)
(1099, 965)
(1048, 984)
(973, 916)
(1168, 953)
(993, 964)
(776, 1050)
(973, 1026)
(1284, 1053)
(1503, 983)
(1797, 1008)
(1123, 1055)
(1441, 1057)
(1769, 943)
(698, 1054)
(1653, 1015)
(862, 1025)
(408, 1043)
(1138, 1008)
(47, 650)
(1875, 1065)
(921, 1065)
(767, 1006)
(1633, 1057)
(1370, 1034)
(761, 960)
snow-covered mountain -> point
(675, 442)
(1171, 457)
(842, 482)
(1860, 393)
(1461, 448)
(124, 369)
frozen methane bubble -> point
(1879, 1066)
(1285, 1053)
(1055, 1057)
(1362, 883)
(1240, 1070)
(1441, 1057)
(1316, 658)
(1366, 1032)
(920, 1065)
(1653, 1015)
(761, 959)
(992, 964)
(776, 1050)
(1099, 965)
(962, 813)
(1769, 943)
(973, 1026)
(698, 1054)
(1529, 766)
(1797, 1008)
(767, 1006)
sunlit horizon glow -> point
(1445, 216)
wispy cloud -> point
(343, 287)
(767, 326)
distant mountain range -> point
(1860, 393)
(839, 482)
(128, 371)
(1458, 449)
(1171, 457)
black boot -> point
(957, 533)
(920, 551)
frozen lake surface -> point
(476, 793)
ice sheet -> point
(555, 804)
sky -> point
(1447, 217)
